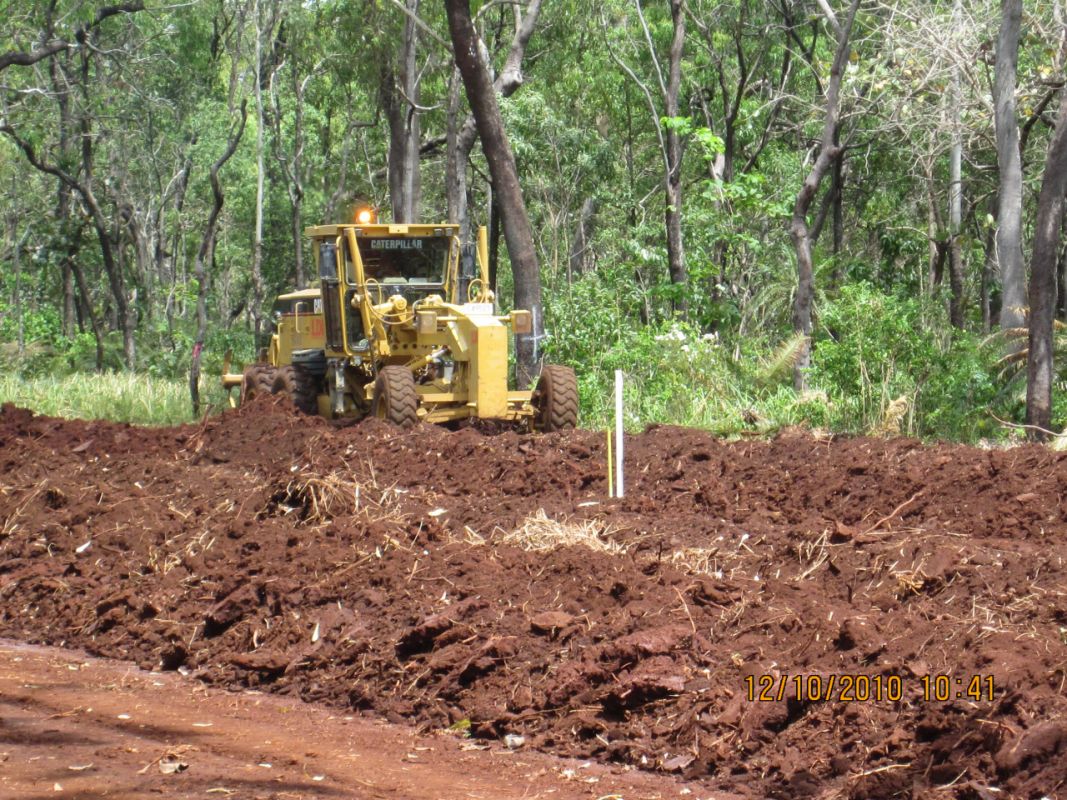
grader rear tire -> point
(258, 380)
(556, 399)
(295, 383)
(395, 398)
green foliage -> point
(674, 373)
(874, 348)
(38, 324)
(55, 374)
(163, 353)
(586, 124)
(871, 349)
(117, 396)
(710, 145)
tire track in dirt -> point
(76, 726)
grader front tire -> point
(395, 397)
(556, 399)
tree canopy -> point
(685, 166)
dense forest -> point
(839, 213)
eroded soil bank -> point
(372, 569)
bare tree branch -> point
(651, 48)
(422, 26)
(15, 58)
(26, 59)
(799, 231)
(831, 17)
(510, 78)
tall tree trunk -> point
(124, 313)
(456, 154)
(494, 240)
(16, 261)
(955, 220)
(830, 205)
(935, 238)
(955, 191)
(481, 94)
(988, 271)
(63, 192)
(631, 175)
(673, 178)
(399, 92)
(297, 220)
(69, 313)
(798, 229)
(177, 241)
(1061, 277)
(670, 142)
(837, 192)
(394, 116)
(462, 136)
(838, 185)
(124, 310)
(292, 164)
(206, 255)
(73, 246)
(138, 238)
(296, 182)
(1047, 224)
(1009, 162)
(87, 304)
(409, 80)
(580, 255)
(257, 241)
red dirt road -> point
(73, 726)
(483, 582)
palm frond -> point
(781, 362)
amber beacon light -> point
(365, 216)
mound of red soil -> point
(393, 571)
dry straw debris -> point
(540, 533)
(326, 496)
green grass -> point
(116, 396)
(725, 409)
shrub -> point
(872, 349)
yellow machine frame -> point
(455, 347)
(300, 329)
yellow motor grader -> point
(402, 328)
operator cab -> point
(412, 266)
(413, 261)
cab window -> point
(422, 259)
(327, 260)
